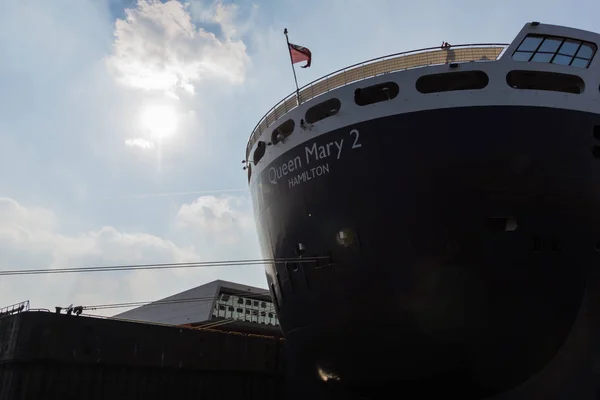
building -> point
(218, 304)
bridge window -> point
(322, 110)
(259, 152)
(282, 131)
(540, 80)
(376, 93)
(555, 50)
(464, 80)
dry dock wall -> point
(51, 356)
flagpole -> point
(285, 32)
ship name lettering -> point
(312, 154)
(276, 173)
(315, 153)
(308, 175)
(356, 134)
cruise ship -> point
(439, 212)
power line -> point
(199, 264)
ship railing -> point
(375, 67)
(14, 308)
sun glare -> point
(160, 120)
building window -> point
(555, 50)
(247, 309)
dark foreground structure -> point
(57, 356)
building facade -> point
(245, 308)
(218, 303)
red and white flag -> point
(300, 54)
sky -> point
(123, 124)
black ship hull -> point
(467, 239)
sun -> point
(160, 120)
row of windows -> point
(237, 300)
(243, 309)
(555, 50)
(436, 83)
(240, 310)
(314, 114)
(259, 317)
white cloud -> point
(14, 217)
(158, 47)
(224, 222)
(30, 239)
(139, 142)
(226, 15)
(215, 215)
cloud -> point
(224, 222)
(30, 238)
(16, 218)
(139, 142)
(214, 215)
(227, 16)
(158, 47)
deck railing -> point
(14, 308)
(377, 66)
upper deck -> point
(545, 64)
(375, 67)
